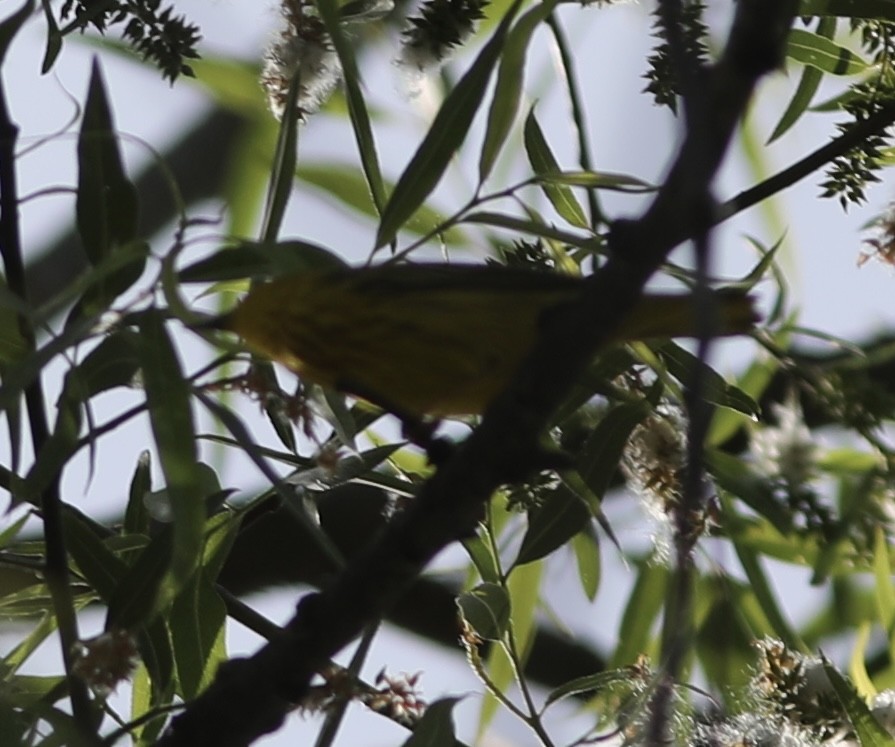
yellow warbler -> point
(431, 339)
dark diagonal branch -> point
(252, 696)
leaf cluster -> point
(156, 33)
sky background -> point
(630, 135)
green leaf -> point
(436, 727)
(544, 163)
(814, 50)
(808, 85)
(343, 182)
(726, 659)
(738, 478)
(881, 9)
(136, 516)
(280, 186)
(482, 557)
(445, 135)
(486, 609)
(589, 683)
(882, 568)
(598, 180)
(251, 259)
(510, 80)
(106, 203)
(599, 457)
(534, 228)
(559, 518)
(40, 630)
(715, 389)
(587, 558)
(725, 421)
(331, 14)
(11, 532)
(99, 565)
(144, 591)
(170, 414)
(197, 631)
(869, 731)
(766, 597)
(642, 609)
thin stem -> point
(56, 572)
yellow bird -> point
(432, 339)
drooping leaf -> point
(510, 80)
(332, 16)
(560, 517)
(544, 163)
(168, 397)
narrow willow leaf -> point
(445, 135)
(726, 422)
(534, 228)
(136, 515)
(332, 17)
(343, 182)
(808, 85)
(510, 80)
(168, 397)
(587, 557)
(598, 180)
(144, 591)
(766, 598)
(811, 49)
(106, 203)
(715, 389)
(589, 683)
(544, 163)
(486, 609)
(99, 565)
(868, 730)
(882, 567)
(482, 556)
(559, 518)
(599, 457)
(285, 156)
(641, 612)
(801, 100)
(857, 667)
(197, 631)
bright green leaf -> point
(814, 50)
(544, 163)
